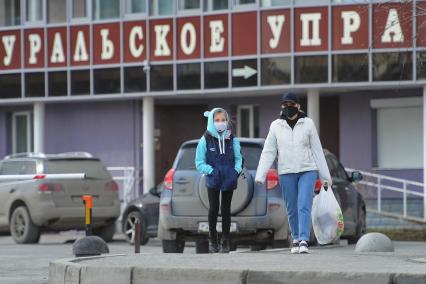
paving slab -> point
(334, 264)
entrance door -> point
(22, 132)
(175, 124)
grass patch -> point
(402, 234)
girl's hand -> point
(259, 182)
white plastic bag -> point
(327, 217)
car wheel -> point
(173, 246)
(129, 227)
(361, 227)
(202, 246)
(22, 228)
(106, 233)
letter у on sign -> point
(10, 50)
(391, 27)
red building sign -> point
(211, 36)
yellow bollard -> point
(88, 203)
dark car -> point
(259, 215)
(145, 209)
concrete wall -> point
(358, 147)
(105, 129)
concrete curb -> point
(74, 271)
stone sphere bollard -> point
(89, 246)
(374, 242)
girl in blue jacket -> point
(218, 157)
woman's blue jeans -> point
(298, 191)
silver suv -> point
(257, 210)
(28, 207)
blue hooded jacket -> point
(202, 156)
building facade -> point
(129, 80)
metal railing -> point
(127, 178)
(374, 186)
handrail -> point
(379, 184)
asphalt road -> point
(21, 264)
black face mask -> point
(289, 111)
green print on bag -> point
(340, 223)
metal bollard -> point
(88, 203)
(137, 236)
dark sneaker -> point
(225, 246)
(213, 244)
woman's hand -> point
(259, 182)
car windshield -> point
(251, 154)
(92, 168)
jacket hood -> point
(210, 122)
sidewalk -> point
(338, 264)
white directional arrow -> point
(245, 72)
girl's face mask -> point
(220, 126)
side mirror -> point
(356, 176)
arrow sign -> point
(245, 72)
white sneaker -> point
(295, 247)
(303, 247)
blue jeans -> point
(298, 191)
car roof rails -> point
(25, 155)
(73, 155)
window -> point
(244, 73)
(21, 132)
(393, 66)
(107, 81)
(135, 6)
(34, 84)
(311, 69)
(18, 168)
(350, 68)
(215, 5)
(161, 7)
(34, 10)
(57, 11)
(79, 9)
(134, 79)
(80, 82)
(188, 76)
(216, 75)
(248, 121)
(244, 2)
(161, 77)
(337, 171)
(10, 12)
(311, 2)
(10, 86)
(186, 161)
(421, 65)
(276, 71)
(106, 9)
(273, 3)
(399, 146)
(189, 4)
(58, 84)
(251, 153)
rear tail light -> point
(111, 186)
(271, 179)
(168, 179)
(49, 187)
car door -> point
(7, 168)
(340, 183)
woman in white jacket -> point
(294, 139)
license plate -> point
(203, 227)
